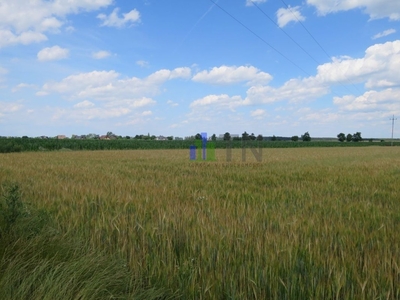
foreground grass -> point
(310, 223)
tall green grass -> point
(317, 223)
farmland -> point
(8, 145)
(305, 223)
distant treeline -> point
(8, 145)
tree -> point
(170, 138)
(252, 137)
(260, 137)
(295, 138)
(227, 136)
(341, 137)
(214, 137)
(306, 137)
(198, 136)
(245, 136)
(273, 138)
(349, 137)
(357, 137)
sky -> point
(181, 67)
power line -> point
(293, 40)
(315, 40)
(260, 38)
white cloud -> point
(101, 54)
(108, 86)
(53, 53)
(376, 9)
(147, 113)
(387, 99)
(172, 103)
(250, 2)
(70, 29)
(7, 37)
(9, 107)
(287, 15)
(84, 104)
(226, 75)
(22, 86)
(222, 100)
(142, 63)
(25, 22)
(384, 33)
(3, 71)
(114, 21)
(378, 68)
(258, 113)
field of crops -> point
(8, 145)
(305, 223)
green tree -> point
(252, 137)
(260, 137)
(349, 137)
(214, 137)
(306, 137)
(295, 138)
(227, 136)
(245, 136)
(198, 136)
(273, 138)
(357, 137)
(341, 137)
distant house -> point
(161, 138)
(61, 137)
(104, 137)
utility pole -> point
(393, 119)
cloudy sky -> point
(179, 67)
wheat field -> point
(304, 223)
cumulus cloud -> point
(142, 63)
(113, 20)
(378, 68)
(25, 22)
(9, 107)
(147, 113)
(222, 100)
(3, 71)
(84, 104)
(287, 15)
(100, 54)
(8, 38)
(372, 100)
(258, 113)
(250, 2)
(226, 75)
(376, 9)
(172, 103)
(384, 33)
(22, 86)
(52, 53)
(109, 86)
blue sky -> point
(181, 67)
